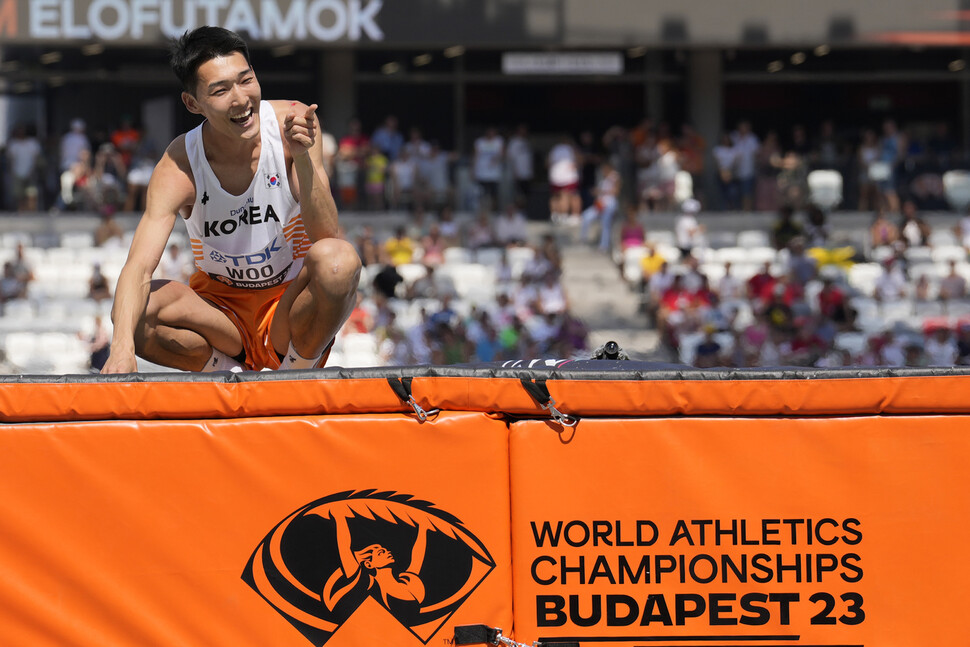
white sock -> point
(294, 360)
(219, 361)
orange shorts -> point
(251, 311)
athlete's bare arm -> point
(301, 128)
(169, 191)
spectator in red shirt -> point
(761, 285)
(703, 296)
(126, 138)
(671, 313)
(349, 163)
(831, 302)
(793, 290)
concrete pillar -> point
(705, 107)
(337, 94)
(964, 101)
(653, 88)
(965, 111)
(461, 119)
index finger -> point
(308, 115)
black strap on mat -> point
(402, 389)
(540, 393)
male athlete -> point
(273, 283)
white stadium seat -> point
(943, 253)
(411, 272)
(722, 239)
(10, 239)
(21, 310)
(458, 255)
(750, 238)
(19, 347)
(518, 258)
(59, 256)
(632, 269)
(688, 343)
(46, 352)
(852, 341)
(359, 350)
(940, 237)
(491, 256)
(77, 239)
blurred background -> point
(715, 183)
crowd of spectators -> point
(411, 303)
(800, 307)
(796, 305)
(390, 168)
(101, 172)
(880, 167)
(753, 170)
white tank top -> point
(251, 241)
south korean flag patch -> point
(272, 180)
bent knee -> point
(333, 261)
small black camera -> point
(610, 350)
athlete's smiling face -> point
(227, 94)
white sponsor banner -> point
(562, 63)
(110, 20)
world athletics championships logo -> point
(319, 564)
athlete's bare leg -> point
(317, 303)
(179, 328)
(574, 203)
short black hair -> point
(200, 45)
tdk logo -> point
(251, 215)
(256, 258)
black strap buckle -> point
(540, 393)
(402, 388)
